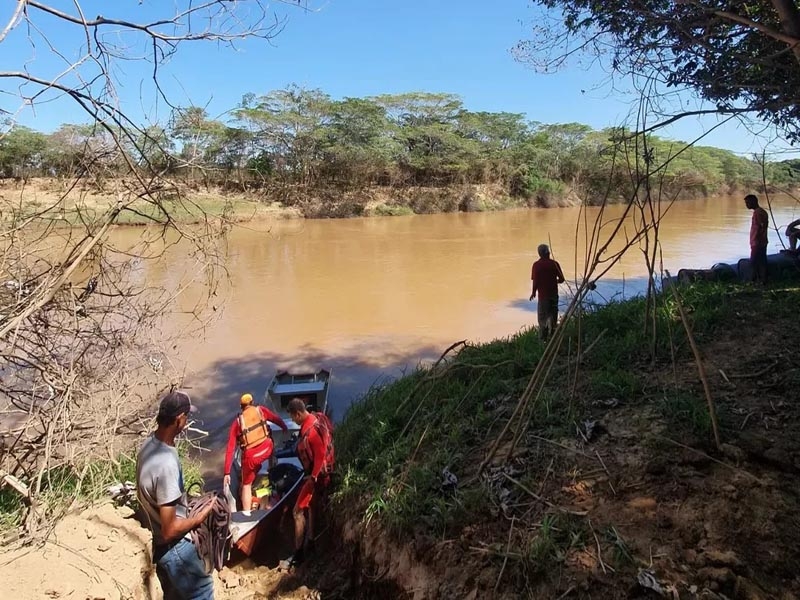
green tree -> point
(740, 55)
(432, 149)
(289, 126)
(358, 142)
(21, 152)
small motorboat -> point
(286, 385)
(249, 529)
(277, 486)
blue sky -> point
(350, 48)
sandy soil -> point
(103, 553)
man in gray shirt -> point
(159, 486)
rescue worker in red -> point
(251, 431)
(315, 450)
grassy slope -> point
(644, 491)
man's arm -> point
(229, 450)
(272, 417)
(173, 527)
(559, 273)
(318, 452)
(533, 282)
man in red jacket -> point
(315, 450)
(545, 276)
(251, 431)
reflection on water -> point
(368, 298)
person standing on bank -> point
(315, 450)
(758, 239)
(546, 274)
(251, 431)
(159, 488)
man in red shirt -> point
(545, 276)
(251, 431)
(315, 450)
(758, 239)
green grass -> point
(684, 409)
(394, 443)
(62, 487)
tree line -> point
(303, 139)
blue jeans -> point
(182, 574)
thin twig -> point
(532, 494)
(699, 362)
(711, 458)
(757, 374)
(599, 552)
(505, 558)
(611, 485)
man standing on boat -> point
(758, 239)
(159, 488)
(546, 274)
(251, 431)
(316, 453)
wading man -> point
(250, 430)
(315, 449)
(758, 239)
(159, 487)
(545, 276)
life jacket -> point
(254, 428)
(324, 428)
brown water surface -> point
(368, 298)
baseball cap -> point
(246, 399)
(174, 404)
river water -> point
(368, 298)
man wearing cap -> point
(546, 274)
(251, 431)
(159, 487)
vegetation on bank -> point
(62, 488)
(304, 149)
(395, 442)
(636, 389)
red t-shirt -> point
(758, 228)
(546, 275)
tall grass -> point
(395, 442)
(67, 487)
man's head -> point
(246, 400)
(174, 410)
(297, 410)
(543, 250)
(751, 201)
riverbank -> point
(614, 484)
(70, 203)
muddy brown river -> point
(369, 298)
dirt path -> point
(103, 553)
